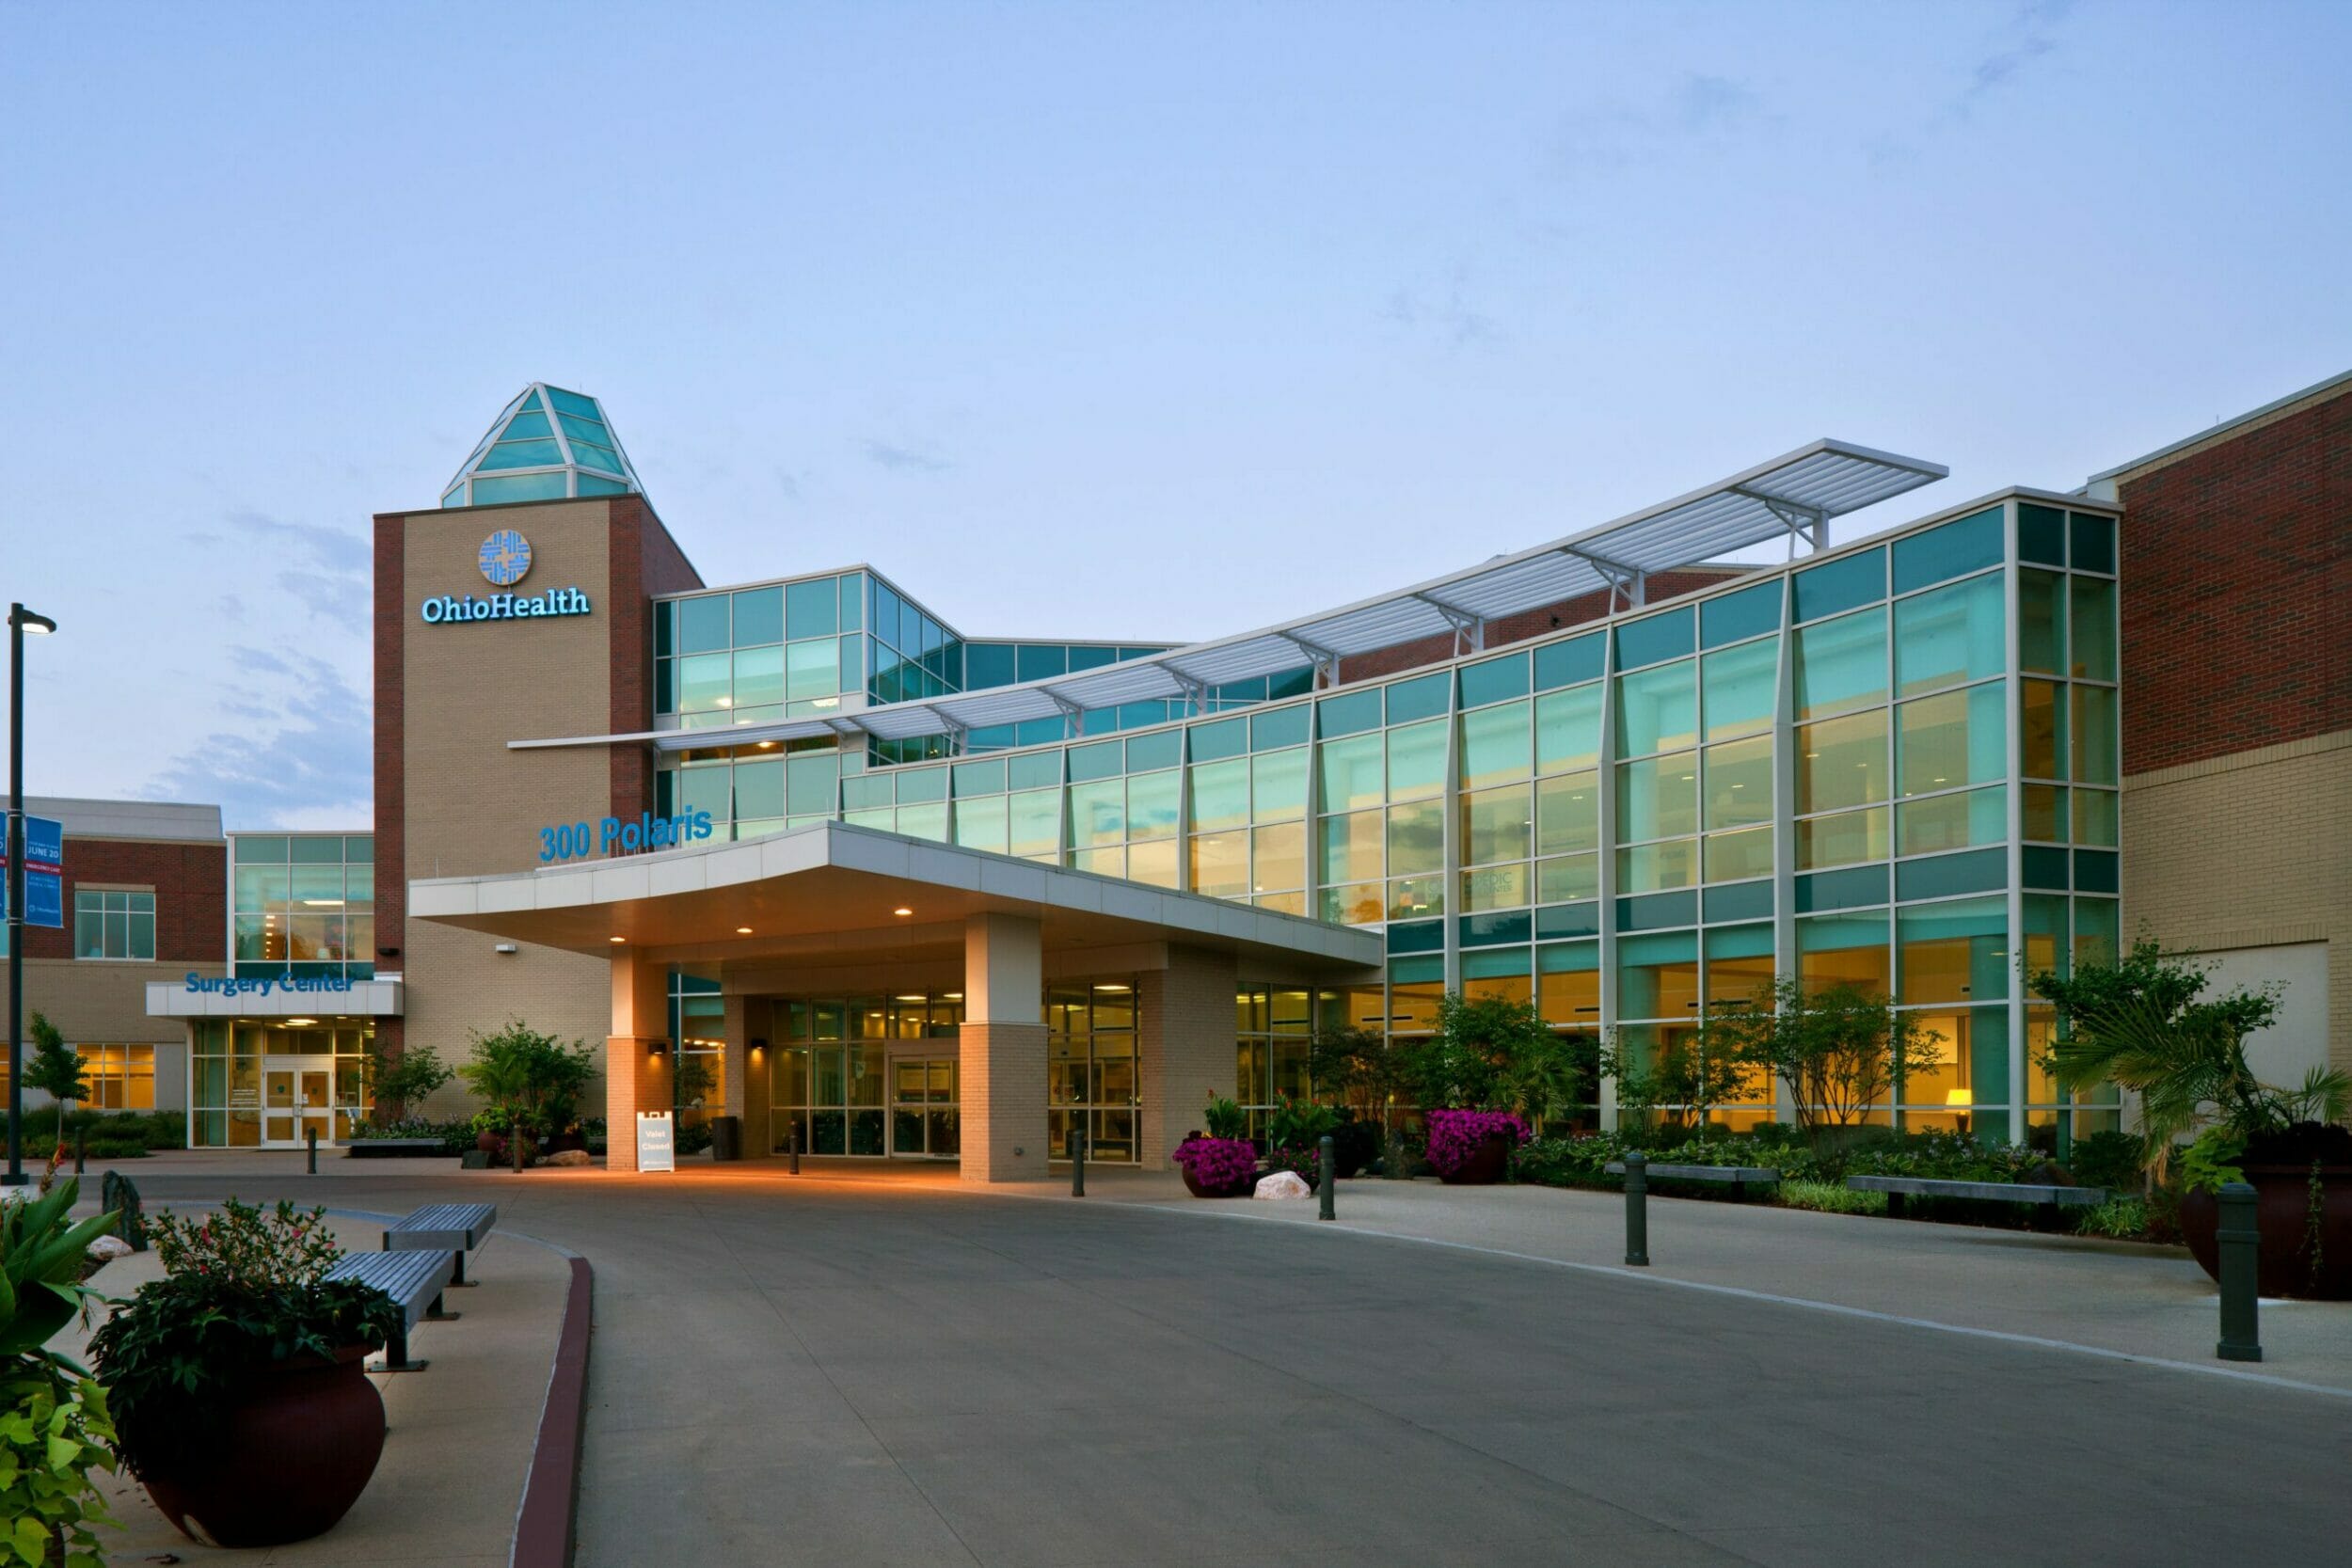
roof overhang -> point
(831, 892)
(1792, 496)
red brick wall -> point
(1539, 622)
(191, 883)
(645, 562)
(2238, 592)
(392, 797)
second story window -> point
(111, 924)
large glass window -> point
(1956, 951)
(1843, 948)
(1567, 729)
(1658, 799)
(1946, 741)
(1739, 688)
(122, 925)
(1841, 664)
(1948, 637)
(1658, 976)
(1841, 761)
(1495, 745)
(1739, 789)
(1658, 709)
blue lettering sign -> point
(44, 872)
(444, 608)
(262, 985)
(567, 841)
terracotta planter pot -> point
(1482, 1169)
(1238, 1189)
(295, 1447)
(2283, 1210)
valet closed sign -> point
(657, 1141)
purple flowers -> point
(1456, 1136)
(1219, 1164)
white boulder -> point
(107, 1248)
(1282, 1183)
(567, 1157)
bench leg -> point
(435, 1314)
(396, 1355)
(2045, 1216)
(1895, 1205)
(459, 1277)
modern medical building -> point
(911, 890)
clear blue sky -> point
(1092, 320)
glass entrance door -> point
(297, 1098)
(923, 1113)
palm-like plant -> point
(2140, 1025)
(41, 1269)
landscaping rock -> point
(107, 1248)
(567, 1157)
(1281, 1184)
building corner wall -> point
(1185, 1045)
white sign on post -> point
(657, 1141)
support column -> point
(735, 1064)
(758, 1080)
(1003, 1046)
(1184, 1039)
(636, 1056)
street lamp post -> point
(21, 621)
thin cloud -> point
(1443, 308)
(305, 746)
(1697, 108)
(903, 460)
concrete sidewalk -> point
(461, 1432)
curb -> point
(543, 1525)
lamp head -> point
(25, 619)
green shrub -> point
(2125, 1219)
(695, 1139)
(1831, 1197)
(2111, 1160)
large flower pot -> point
(1485, 1167)
(2283, 1213)
(1239, 1188)
(294, 1448)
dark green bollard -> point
(1636, 1208)
(81, 1151)
(792, 1147)
(310, 1136)
(2240, 1239)
(1077, 1165)
(1327, 1178)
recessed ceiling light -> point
(742, 931)
(616, 941)
(911, 996)
(299, 1022)
(902, 910)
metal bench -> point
(2046, 1200)
(1738, 1178)
(393, 1148)
(455, 1228)
(414, 1280)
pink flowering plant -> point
(1219, 1164)
(1456, 1136)
(254, 1246)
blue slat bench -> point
(1738, 1178)
(455, 1228)
(414, 1280)
(2046, 1201)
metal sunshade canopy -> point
(1792, 496)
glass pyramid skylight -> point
(546, 445)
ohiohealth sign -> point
(504, 559)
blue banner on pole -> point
(44, 873)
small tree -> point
(534, 1078)
(1490, 1053)
(1692, 1075)
(1841, 1051)
(404, 1080)
(55, 1068)
(1363, 1070)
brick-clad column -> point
(1186, 1041)
(1003, 1045)
(734, 1064)
(636, 1056)
(759, 1024)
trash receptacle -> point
(726, 1137)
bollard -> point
(1636, 1208)
(311, 1135)
(2240, 1239)
(792, 1147)
(81, 1151)
(1077, 1165)
(1328, 1178)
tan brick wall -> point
(636, 1078)
(98, 1002)
(1004, 1101)
(1185, 1038)
(2249, 851)
(469, 804)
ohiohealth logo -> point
(505, 557)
